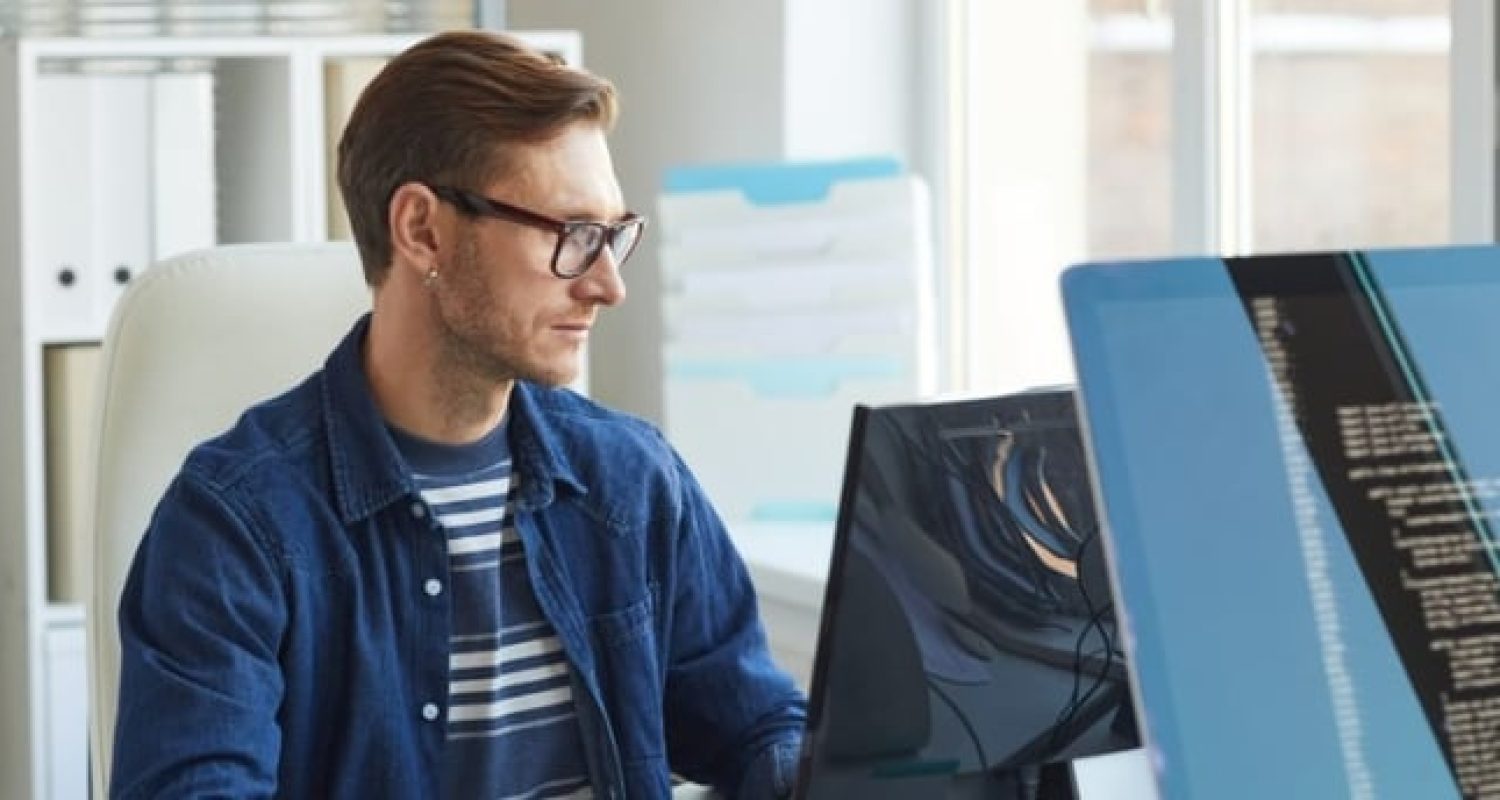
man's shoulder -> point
(278, 436)
(605, 447)
(585, 422)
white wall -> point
(849, 77)
(705, 81)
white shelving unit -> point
(115, 153)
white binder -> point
(184, 198)
(120, 188)
(128, 177)
(59, 257)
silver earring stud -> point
(431, 278)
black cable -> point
(1109, 656)
(949, 461)
(964, 720)
(1088, 606)
(1075, 702)
(1070, 706)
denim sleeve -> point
(772, 772)
(201, 618)
(734, 719)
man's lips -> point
(578, 331)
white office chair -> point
(195, 341)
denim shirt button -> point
(433, 587)
(418, 510)
(430, 711)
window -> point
(1350, 140)
(1129, 157)
(1115, 129)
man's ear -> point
(415, 218)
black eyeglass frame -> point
(477, 205)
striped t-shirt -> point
(512, 732)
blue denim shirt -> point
(284, 626)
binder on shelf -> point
(130, 179)
(71, 379)
(59, 258)
(184, 192)
(791, 292)
(120, 186)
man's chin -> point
(553, 376)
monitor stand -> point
(1056, 783)
(1046, 782)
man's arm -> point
(201, 619)
(734, 719)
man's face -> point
(501, 312)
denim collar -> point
(368, 473)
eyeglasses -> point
(579, 242)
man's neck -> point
(418, 391)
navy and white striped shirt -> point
(512, 730)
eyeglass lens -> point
(582, 245)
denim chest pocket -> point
(630, 676)
(621, 627)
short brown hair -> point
(442, 112)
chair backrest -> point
(195, 341)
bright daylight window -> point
(1072, 123)
(1350, 144)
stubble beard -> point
(475, 347)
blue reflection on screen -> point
(1243, 696)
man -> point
(426, 571)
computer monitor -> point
(967, 629)
(1299, 463)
